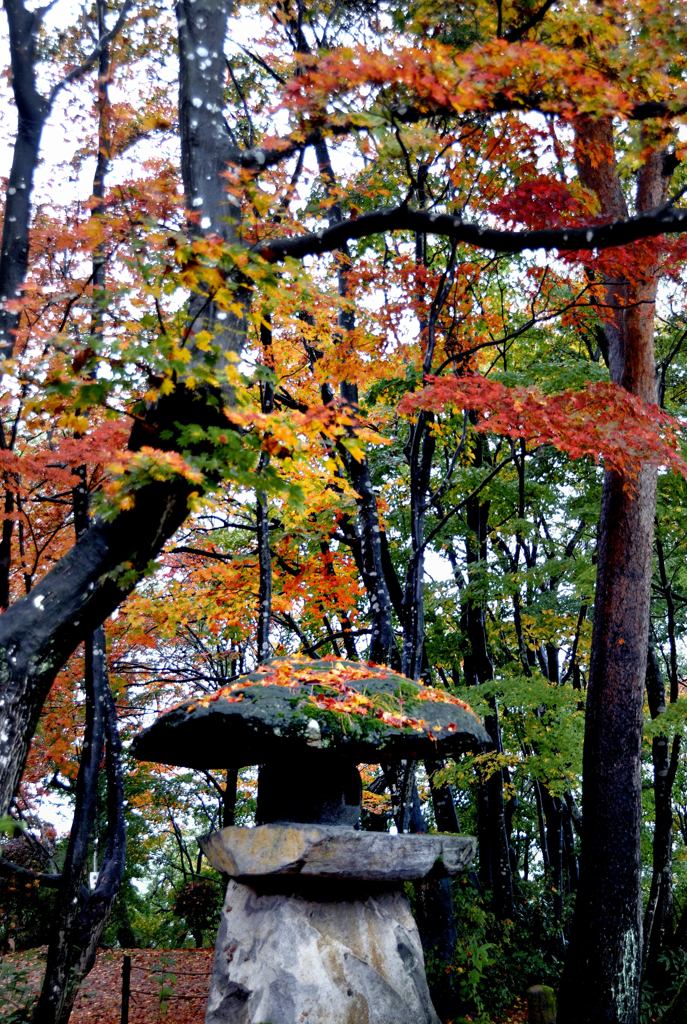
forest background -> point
(359, 336)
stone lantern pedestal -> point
(316, 926)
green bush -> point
(495, 962)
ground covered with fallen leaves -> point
(168, 985)
(517, 1014)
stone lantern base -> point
(287, 958)
(316, 927)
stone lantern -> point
(316, 926)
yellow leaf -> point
(181, 355)
(355, 449)
(70, 421)
(203, 340)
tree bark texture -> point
(81, 915)
(39, 632)
(601, 981)
(206, 152)
(665, 759)
(495, 872)
(32, 112)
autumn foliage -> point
(603, 421)
(288, 376)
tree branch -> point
(515, 34)
(43, 877)
(78, 72)
(665, 220)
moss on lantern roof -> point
(363, 712)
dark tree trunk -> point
(665, 757)
(496, 874)
(601, 981)
(603, 968)
(231, 779)
(80, 914)
(659, 935)
(39, 632)
(434, 902)
(32, 110)
(373, 569)
(443, 804)
(495, 869)
(262, 513)
(554, 810)
(383, 647)
(419, 453)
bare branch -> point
(515, 34)
(43, 877)
(664, 220)
(78, 72)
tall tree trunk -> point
(81, 915)
(419, 453)
(601, 981)
(495, 870)
(262, 512)
(658, 915)
(33, 110)
(383, 648)
(665, 759)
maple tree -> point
(335, 356)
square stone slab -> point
(335, 852)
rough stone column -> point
(286, 958)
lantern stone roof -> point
(288, 706)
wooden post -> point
(126, 989)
